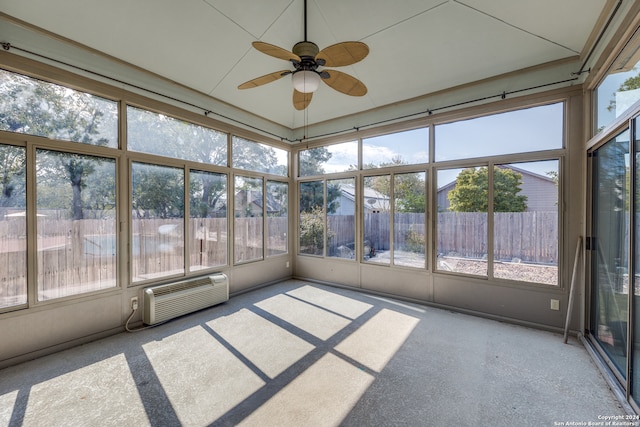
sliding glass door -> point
(609, 249)
(635, 353)
(614, 246)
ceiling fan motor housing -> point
(305, 49)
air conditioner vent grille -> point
(180, 286)
(165, 302)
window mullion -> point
(490, 219)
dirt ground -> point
(517, 271)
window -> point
(253, 156)
(312, 218)
(76, 236)
(13, 226)
(277, 218)
(525, 212)
(401, 197)
(329, 159)
(249, 212)
(327, 218)
(505, 133)
(157, 221)
(341, 216)
(376, 208)
(36, 107)
(207, 220)
(402, 148)
(462, 240)
(153, 133)
(409, 219)
(618, 91)
(76, 224)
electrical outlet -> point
(134, 303)
(555, 304)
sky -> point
(527, 130)
(605, 93)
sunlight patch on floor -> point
(322, 395)
(376, 342)
(201, 378)
(339, 304)
(76, 398)
(7, 403)
(268, 346)
(316, 321)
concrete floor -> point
(301, 354)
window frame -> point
(124, 158)
(431, 168)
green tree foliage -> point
(40, 108)
(207, 191)
(154, 133)
(312, 231)
(471, 192)
(250, 155)
(312, 214)
(44, 109)
(312, 195)
(311, 161)
(312, 225)
(12, 176)
(158, 192)
(629, 84)
(311, 164)
(409, 188)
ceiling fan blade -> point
(301, 100)
(343, 82)
(263, 80)
(341, 54)
(275, 51)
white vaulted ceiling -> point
(417, 47)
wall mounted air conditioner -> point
(165, 302)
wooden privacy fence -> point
(527, 236)
(13, 262)
(79, 256)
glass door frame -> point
(628, 121)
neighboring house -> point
(253, 199)
(541, 192)
(373, 201)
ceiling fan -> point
(306, 58)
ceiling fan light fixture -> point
(306, 57)
(306, 81)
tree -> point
(206, 191)
(12, 176)
(312, 226)
(311, 193)
(629, 84)
(313, 208)
(471, 192)
(157, 191)
(155, 133)
(40, 108)
(409, 188)
(311, 161)
(254, 156)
